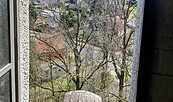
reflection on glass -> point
(4, 34)
(5, 88)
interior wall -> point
(155, 78)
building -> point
(152, 78)
(49, 4)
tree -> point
(120, 37)
(117, 37)
(96, 39)
(77, 36)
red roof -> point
(56, 41)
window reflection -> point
(5, 88)
(4, 33)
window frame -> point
(10, 67)
(12, 32)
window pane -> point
(5, 88)
(4, 34)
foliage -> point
(69, 18)
(33, 13)
(95, 52)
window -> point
(7, 69)
(5, 88)
(90, 48)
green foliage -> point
(33, 12)
(97, 6)
(88, 18)
(106, 80)
(69, 18)
(61, 84)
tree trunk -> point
(78, 65)
(52, 81)
(121, 86)
(121, 83)
(77, 83)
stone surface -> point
(136, 53)
(23, 49)
(81, 96)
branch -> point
(115, 67)
(129, 38)
(107, 92)
(49, 45)
(93, 72)
(87, 40)
(43, 87)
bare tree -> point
(120, 36)
(116, 38)
(96, 38)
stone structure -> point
(152, 73)
(23, 49)
(136, 53)
(81, 96)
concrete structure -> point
(153, 54)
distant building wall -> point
(48, 4)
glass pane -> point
(4, 34)
(5, 88)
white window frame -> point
(11, 66)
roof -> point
(56, 41)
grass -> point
(39, 94)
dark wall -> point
(155, 80)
